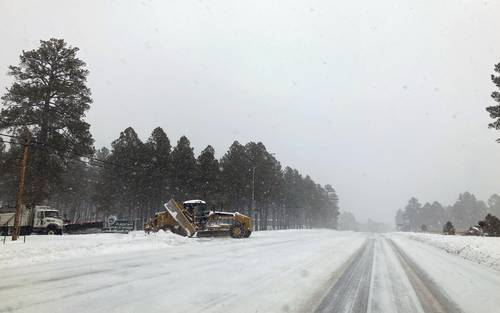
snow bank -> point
(41, 249)
(482, 250)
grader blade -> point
(175, 210)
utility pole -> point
(253, 214)
(20, 189)
(253, 188)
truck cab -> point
(47, 221)
(198, 211)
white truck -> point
(39, 220)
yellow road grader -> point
(193, 218)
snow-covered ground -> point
(482, 250)
(41, 249)
(274, 271)
(473, 287)
(278, 271)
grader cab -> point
(193, 218)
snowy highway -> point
(280, 271)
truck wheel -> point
(51, 232)
(236, 231)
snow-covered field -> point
(40, 249)
(482, 250)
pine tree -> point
(4, 173)
(432, 215)
(49, 95)
(159, 168)
(100, 191)
(237, 177)
(495, 109)
(412, 213)
(124, 177)
(467, 210)
(332, 203)
(492, 225)
(448, 228)
(265, 177)
(208, 177)
(9, 173)
(184, 170)
(292, 198)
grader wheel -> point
(237, 231)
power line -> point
(89, 157)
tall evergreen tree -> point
(184, 170)
(433, 216)
(236, 175)
(332, 207)
(412, 213)
(101, 191)
(494, 110)
(208, 177)
(159, 170)
(50, 97)
(264, 175)
(467, 211)
(292, 198)
(124, 176)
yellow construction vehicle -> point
(193, 218)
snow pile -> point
(41, 249)
(482, 250)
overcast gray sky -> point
(383, 99)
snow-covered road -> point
(393, 273)
(279, 271)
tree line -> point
(347, 221)
(467, 211)
(133, 178)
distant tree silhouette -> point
(494, 110)
(448, 229)
(491, 225)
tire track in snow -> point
(432, 298)
(351, 291)
(390, 290)
(381, 278)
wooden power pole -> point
(20, 188)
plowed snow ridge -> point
(482, 250)
(41, 249)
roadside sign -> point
(115, 225)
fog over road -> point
(275, 271)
